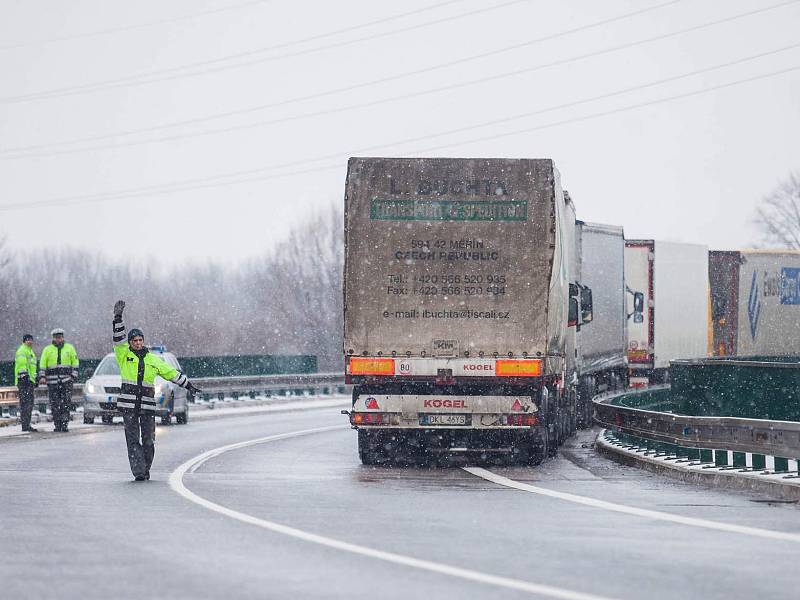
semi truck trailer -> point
(667, 297)
(755, 303)
(601, 349)
(461, 308)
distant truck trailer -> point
(755, 303)
(667, 289)
(601, 349)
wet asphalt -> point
(74, 525)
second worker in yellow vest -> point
(25, 380)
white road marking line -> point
(631, 510)
(199, 460)
(176, 483)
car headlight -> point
(92, 388)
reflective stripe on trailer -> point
(458, 367)
(411, 405)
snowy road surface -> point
(296, 515)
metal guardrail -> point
(251, 384)
(775, 438)
(8, 395)
(269, 383)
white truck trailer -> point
(668, 294)
(601, 349)
(755, 303)
(460, 313)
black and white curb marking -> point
(724, 467)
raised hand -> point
(119, 306)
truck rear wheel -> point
(369, 450)
(532, 448)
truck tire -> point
(585, 394)
(183, 418)
(572, 412)
(532, 449)
(88, 420)
(550, 403)
(368, 450)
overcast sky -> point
(120, 75)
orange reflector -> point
(521, 420)
(374, 419)
(371, 366)
(518, 368)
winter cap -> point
(57, 331)
(135, 333)
(27, 337)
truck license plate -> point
(444, 420)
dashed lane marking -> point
(631, 510)
(176, 483)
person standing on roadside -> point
(25, 380)
(139, 368)
(58, 368)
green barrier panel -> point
(656, 400)
(726, 387)
(248, 364)
(207, 366)
(85, 370)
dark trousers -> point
(140, 435)
(60, 396)
(25, 393)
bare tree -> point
(778, 216)
(5, 254)
(288, 301)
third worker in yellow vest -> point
(58, 368)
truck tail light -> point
(371, 366)
(518, 368)
(360, 418)
(526, 420)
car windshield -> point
(107, 366)
(169, 359)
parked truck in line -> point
(667, 297)
(462, 302)
(755, 303)
(601, 349)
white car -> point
(101, 390)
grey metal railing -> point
(776, 438)
(313, 383)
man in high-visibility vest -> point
(139, 368)
(58, 368)
(25, 380)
